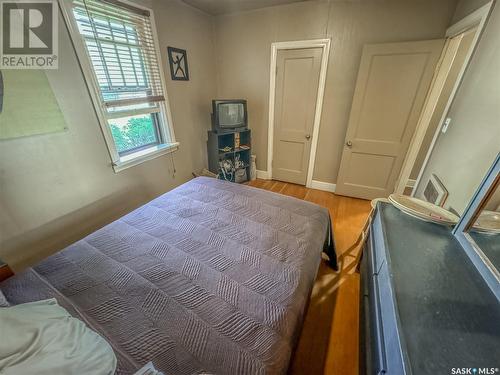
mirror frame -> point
(480, 198)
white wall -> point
(56, 188)
(466, 7)
(463, 155)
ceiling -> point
(216, 7)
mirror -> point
(450, 180)
(478, 229)
(485, 226)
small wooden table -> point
(5, 271)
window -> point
(124, 68)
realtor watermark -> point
(28, 34)
(474, 371)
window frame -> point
(164, 121)
(155, 118)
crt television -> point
(229, 115)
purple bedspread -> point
(211, 277)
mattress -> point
(211, 277)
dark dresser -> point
(425, 309)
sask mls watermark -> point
(28, 34)
(474, 371)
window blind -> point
(120, 44)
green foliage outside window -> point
(137, 132)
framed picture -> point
(1, 91)
(435, 192)
(177, 59)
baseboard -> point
(410, 183)
(320, 185)
(264, 175)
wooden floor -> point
(329, 339)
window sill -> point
(144, 155)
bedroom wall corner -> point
(243, 44)
(462, 156)
(57, 188)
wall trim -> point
(325, 186)
(264, 175)
(410, 183)
(325, 45)
(477, 18)
(319, 185)
(469, 21)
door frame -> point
(299, 44)
(477, 19)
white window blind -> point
(123, 72)
(120, 44)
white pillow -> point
(43, 338)
(3, 300)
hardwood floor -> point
(329, 340)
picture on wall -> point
(28, 105)
(1, 91)
(435, 192)
(178, 64)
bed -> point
(211, 277)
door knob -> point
(348, 144)
(308, 136)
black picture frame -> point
(1, 91)
(177, 59)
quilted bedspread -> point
(209, 278)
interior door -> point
(392, 84)
(297, 80)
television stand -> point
(228, 157)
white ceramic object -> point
(374, 201)
(423, 210)
(253, 168)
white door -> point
(297, 80)
(392, 84)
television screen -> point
(231, 115)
